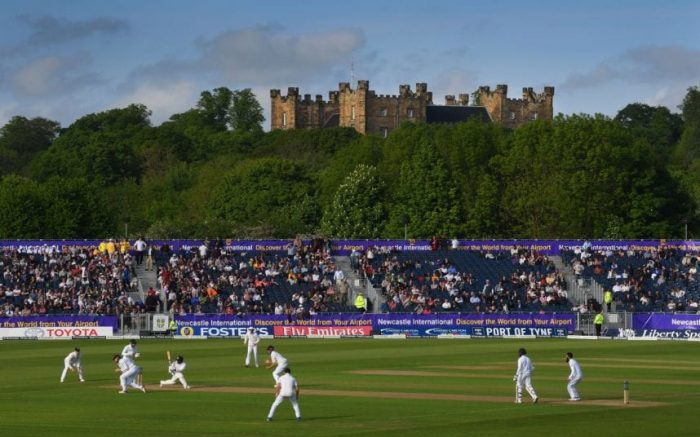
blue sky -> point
(63, 59)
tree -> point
(657, 125)
(269, 192)
(21, 139)
(357, 210)
(426, 196)
(246, 114)
(98, 147)
(22, 206)
(688, 148)
(215, 107)
(74, 208)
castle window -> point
(409, 113)
(352, 113)
(534, 116)
(284, 119)
(512, 115)
(383, 112)
(384, 131)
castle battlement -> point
(366, 111)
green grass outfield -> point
(417, 387)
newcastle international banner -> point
(361, 325)
(56, 327)
(345, 247)
(663, 326)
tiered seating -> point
(74, 281)
(663, 280)
(465, 281)
(249, 282)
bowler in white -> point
(72, 363)
(523, 375)
(286, 388)
(177, 372)
(251, 339)
(129, 372)
(575, 377)
(278, 362)
(130, 350)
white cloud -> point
(647, 64)
(454, 81)
(52, 75)
(670, 96)
(259, 56)
(164, 100)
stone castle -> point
(367, 112)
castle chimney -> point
(464, 99)
(450, 100)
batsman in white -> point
(177, 372)
(129, 373)
(575, 377)
(277, 361)
(252, 339)
(286, 388)
(72, 363)
(523, 375)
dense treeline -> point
(212, 171)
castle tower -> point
(514, 113)
(352, 105)
(284, 109)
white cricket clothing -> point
(129, 373)
(575, 377)
(130, 351)
(72, 361)
(523, 376)
(177, 371)
(252, 339)
(281, 365)
(288, 386)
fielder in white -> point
(523, 376)
(72, 363)
(252, 339)
(129, 373)
(177, 369)
(278, 362)
(575, 377)
(288, 388)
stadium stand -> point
(642, 280)
(77, 280)
(465, 281)
(212, 280)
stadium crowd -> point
(210, 279)
(306, 280)
(75, 280)
(461, 281)
(641, 280)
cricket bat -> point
(167, 354)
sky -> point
(64, 59)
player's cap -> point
(270, 348)
(132, 341)
(522, 351)
(250, 328)
(77, 349)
